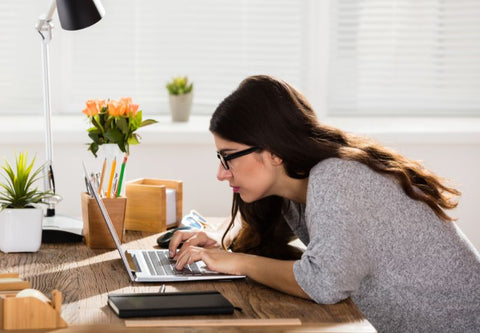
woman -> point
(373, 222)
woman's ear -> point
(276, 160)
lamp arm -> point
(48, 16)
(44, 27)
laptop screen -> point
(107, 219)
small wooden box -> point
(29, 313)
(11, 281)
(95, 228)
(147, 204)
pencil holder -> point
(95, 230)
(153, 205)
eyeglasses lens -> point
(222, 160)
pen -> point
(112, 173)
(100, 187)
(119, 188)
(114, 185)
(86, 186)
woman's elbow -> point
(331, 297)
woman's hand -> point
(216, 259)
(191, 238)
(198, 245)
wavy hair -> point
(271, 114)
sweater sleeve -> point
(336, 259)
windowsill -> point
(72, 129)
(441, 130)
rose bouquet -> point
(114, 122)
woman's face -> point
(252, 176)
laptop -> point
(154, 265)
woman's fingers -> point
(178, 237)
(190, 238)
(188, 256)
(214, 258)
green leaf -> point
(19, 189)
(93, 147)
(122, 125)
(97, 124)
(135, 122)
(94, 135)
(179, 85)
(147, 122)
(134, 139)
(114, 135)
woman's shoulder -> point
(336, 175)
(335, 166)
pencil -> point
(122, 170)
(100, 187)
(112, 173)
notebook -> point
(169, 304)
(153, 265)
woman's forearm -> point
(276, 274)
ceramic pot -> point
(21, 229)
(180, 106)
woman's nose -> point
(222, 173)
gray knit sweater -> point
(407, 270)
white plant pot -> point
(21, 229)
(180, 106)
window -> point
(140, 44)
(405, 57)
(350, 57)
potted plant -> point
(180, 93)
(20, 216)
(114, 122)
(114, 129)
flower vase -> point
(110, 159)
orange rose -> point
(126, 100)
(93, 107)
(101, 103)
(116, 108)
(130, 108)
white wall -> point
(187, 152)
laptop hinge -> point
(134, 267)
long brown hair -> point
(271, 114)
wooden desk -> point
(86, 276)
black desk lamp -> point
(73, 15)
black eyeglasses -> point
(225, 158)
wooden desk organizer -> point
(11, 281)
(147, 204)
(95, 229)
(28, 313)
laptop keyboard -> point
(159, 263)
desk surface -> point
(85, 277)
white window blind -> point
(20, 57)
(141, 44)
(405, 57)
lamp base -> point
(62, 229)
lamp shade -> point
(79, 14)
